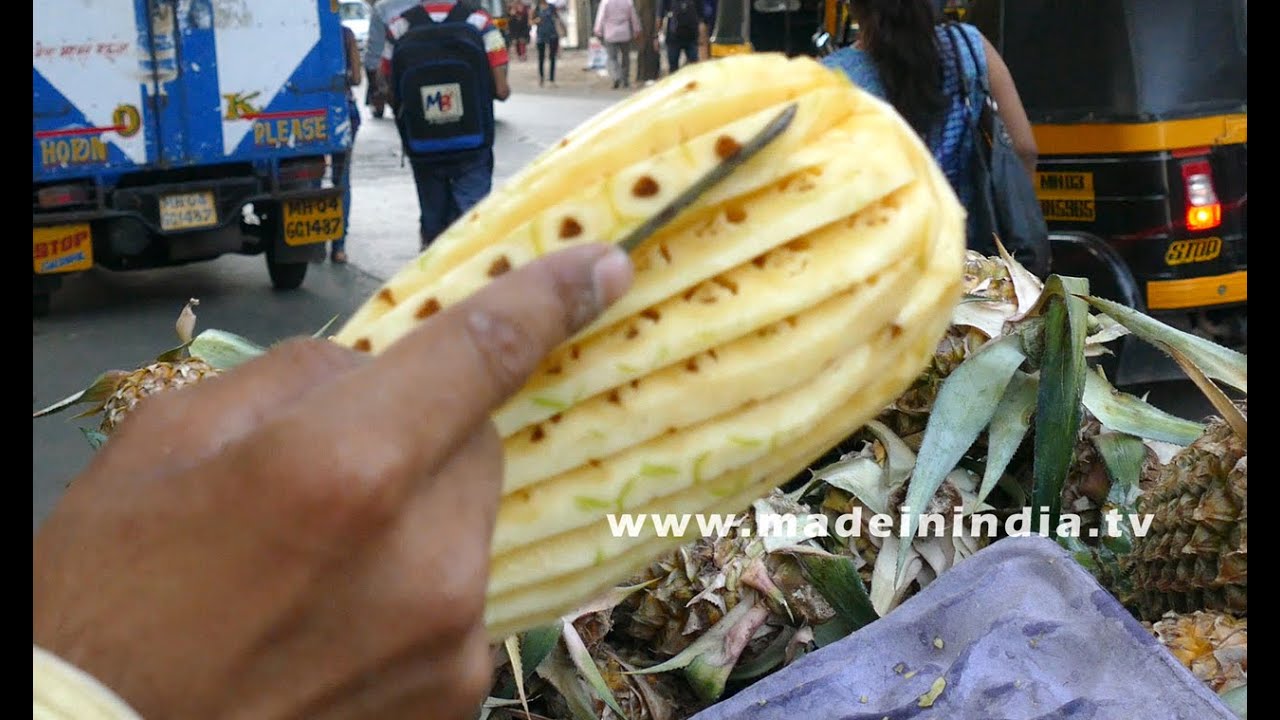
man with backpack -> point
(681, 27)
(446, 63)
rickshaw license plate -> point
(312, 220)
(188, 211)
(1182, 252)
(61, 248)
(1066, 196)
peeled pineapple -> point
(782, 311)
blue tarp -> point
(1019, 631)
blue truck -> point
(166, 132)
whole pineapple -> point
(116, 394)
(132, 388)
(1194, 556)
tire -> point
(286, 276)
(40, 303)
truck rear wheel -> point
(40, 303)
(285, 276)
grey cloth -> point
(619, 61)
(1025, 633)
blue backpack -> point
(443, 85)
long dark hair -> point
(899, 36)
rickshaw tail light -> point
(1203, 209)
(1204, 217)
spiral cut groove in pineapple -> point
(770, 320)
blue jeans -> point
(675, 47)
(341, 175)
(446, 190)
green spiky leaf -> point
(1124, 457)
(1227, 409)
(861, 477)
(965, 404)
(1237, 701)
(899, 460)
(537, 644)
(1214, 360)
(708, 661)
(559, 670)
(224, 350)
(1008, 428)
(1128, 414)
(181, 352)
(512, 646)
(767, 660)
(586, 665)
(1062, 380)
(95, 438)
(836, 578)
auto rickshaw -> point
(1140, 112)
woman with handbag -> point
(940, 76)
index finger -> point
(431, 389)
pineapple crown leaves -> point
(709, 660)
(537, 647)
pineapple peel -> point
(765, 324)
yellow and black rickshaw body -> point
(1140, 114)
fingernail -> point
(611, 277)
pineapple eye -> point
(570, 228)
(499, 266)
(429, 308)
(645, 187)
(727, 147)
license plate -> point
(187, 211)
(61, 248)
(1182, 252)
(1198, 292)
(312, 220)
(1066, 196)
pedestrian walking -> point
(618, 25)
(550, 28)
(447, 63)
(518, 26)
(342, 162)
(682, 24)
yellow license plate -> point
(1198, 292)
(313, 220)
(1182, 252)
(1066, 196)
(188, 211)
(61, 248)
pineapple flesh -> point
(782, 311)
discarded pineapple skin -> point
(881, 226)
(1212, 645)
(147, 381)
(1195, 555)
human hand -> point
(308, 535)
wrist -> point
(60, 689)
